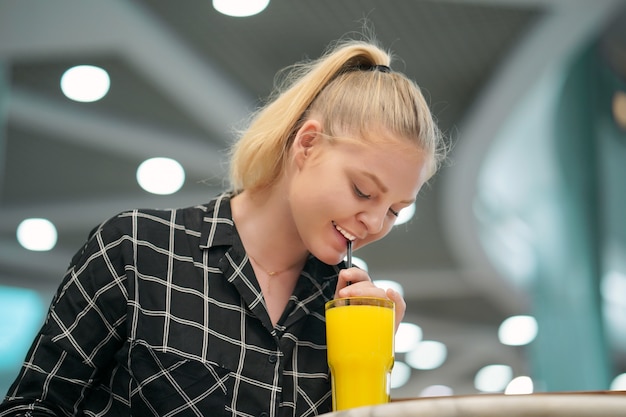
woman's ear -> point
(307, 137)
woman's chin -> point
(332, 260)
(327, 256)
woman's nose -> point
(373, 219)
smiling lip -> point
(344, 232)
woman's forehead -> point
(381, 141)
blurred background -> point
(513, 263)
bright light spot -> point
(428, 354)
(613, 288)
(519, 385)
(85, 83)
(386, 284)
(161, 176)
(407, 337)
(400, 374)
(619, 383)
(436, 391)
(493, 378)
(21, 315)
(240, 8)
(37, 234)
(518, 330)
(405, 215)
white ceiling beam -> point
(33, 29)
(64, 122)
(189, 79)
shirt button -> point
(272, 359)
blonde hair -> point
(345, 88)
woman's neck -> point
(275, 250)
(268, 233)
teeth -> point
(344, 232)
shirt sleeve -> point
(83, 330)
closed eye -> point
(360, 193)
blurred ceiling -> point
(184, 77)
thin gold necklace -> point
(269, 272)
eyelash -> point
(361, 194)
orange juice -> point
(359, 338)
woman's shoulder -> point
(146, 219)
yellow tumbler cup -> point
(360, 346)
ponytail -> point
(338, 86)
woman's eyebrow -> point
(376, 180)
(382, 186)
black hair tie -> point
(366, 67)
(381, 68)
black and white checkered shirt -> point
(160, 314)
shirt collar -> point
(218, 228)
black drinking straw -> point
(349, 257)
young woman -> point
(218, 309)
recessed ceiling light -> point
(400, 374)
(37, 234)
(428, 354)
(517, 330)
(407, 337)
(405, 215)
(240, 8)
(160, 176)
(493, 378)
(619, 383)
(85, 83)
(520, 385)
